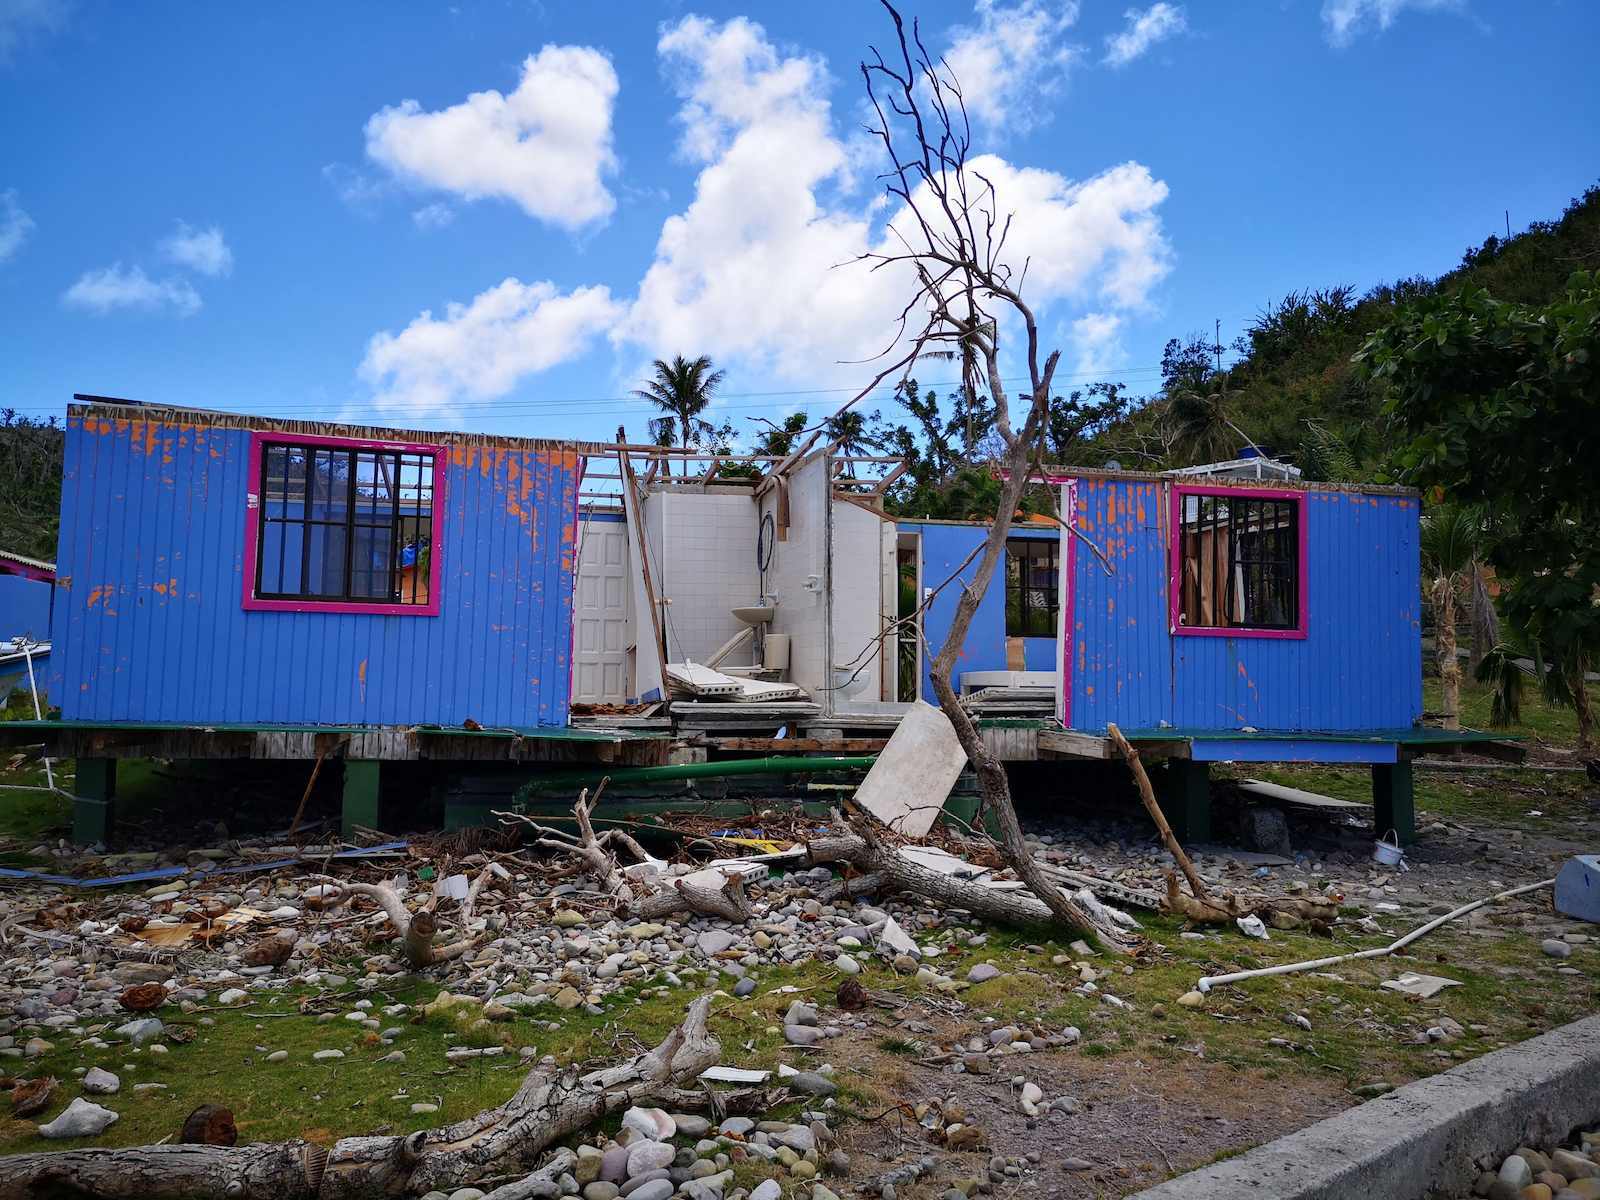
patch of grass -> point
(1541, 721)
(1488, 795)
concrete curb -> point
(1421, 1140)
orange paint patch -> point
(361, 679)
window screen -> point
(1033, 587)
(1240, 566)
(352, 525)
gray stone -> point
(467, 1193)
(654, 1189)
(983, 972)
(81, 1118)
(744, 987)
(99, 1082)
(767, 1189)
(647, 1156)
(1556, 948)
(1516, 1171)
(691, 1125)
(739, 1126)
(141, 1031)
(614, 1163)
(813, 1083)
(797, 1137)
(802, 1035)
(1267, 829)
(714, 941)
(800, 1014)
(601, 1189)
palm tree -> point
(1452, 566)
(682, 390)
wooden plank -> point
(1503, 751)
(1069, 744)
(795, 745)
(1290, 795)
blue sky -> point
(298, 210)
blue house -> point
(1233, 620)
(224, 572)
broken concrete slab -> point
(1414, 984)
(907, 786)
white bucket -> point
(1386, 850)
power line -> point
(578, 406)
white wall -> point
(858, 549)
(795, 560)
(706, 553)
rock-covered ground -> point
(920, 1052)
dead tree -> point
(502, 1141)
(648, 901)
(949, 241)
(416, 930)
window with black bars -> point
(338, 524)
(1033, 587)
(1240, 565)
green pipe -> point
(789, 765)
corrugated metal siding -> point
(153, 629)
(1359, 667)
(943, 548)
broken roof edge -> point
(37, 563)
(1056, 474)
(136, 410)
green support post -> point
(1186, 799)
(1393, 804)
(95, 800)
(360, 797)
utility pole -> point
(1508, 224)
(1218, 346)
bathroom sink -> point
(756, 614)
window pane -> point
(1239, 562)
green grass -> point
(1484, 796)
(1540, 721)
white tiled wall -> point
(708, 567)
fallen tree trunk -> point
(1004, 906)
(498, 1142)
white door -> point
(602, 614)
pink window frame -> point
(1175, 563)
(252, 528)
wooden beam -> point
(798, 744)
(1066, 743)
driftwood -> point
(867, 852)
(1200, 906)
(638, 898)
(416, 930)
(503, 1141)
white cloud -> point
(202, 250)
(1096, 343)
(114, 287)
(749, 273)
(481, 350)
(1144, 29)
(1345, 20)
(15, 225)
(1013, 60)
(544, 146)
(358, 191)
(433, 216)
(22, 20)
(759, 271)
